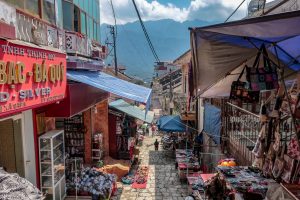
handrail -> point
(246, 111)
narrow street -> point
(163, 182)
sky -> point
(178, 10)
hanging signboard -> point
(30, 77)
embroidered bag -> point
(264, 78)
(240, 91)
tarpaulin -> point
(171, 123)
(113, 85)
(212, 122)
(219, 49)
(132, 111)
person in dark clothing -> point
(197, 144)
(156, 143)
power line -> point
(234, 11)
(145, 32)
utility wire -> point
(145, 32)
(114, 15)
(234, 11)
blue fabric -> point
(288, 54)
(171, 123)
(132, 111)
(113, 85)
(212, 122)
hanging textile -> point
(212, 122)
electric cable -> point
(234, 11)
(146, 33)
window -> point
(83, 23)
(81, 4)
(95, 31)
(76, 18)
(32, 6)
(76, 2)
(59, 19)
(68, 12)
(91, 27)
(49, 11)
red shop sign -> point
(30, 77)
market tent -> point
(113, 85)
(171, 123)
(219, 49)
(132, 111)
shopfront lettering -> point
(19, 51)
(28, 94)
(30, 77)
(13, 73)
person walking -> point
(156, 143)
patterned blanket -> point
(14, 187)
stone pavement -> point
(163, 182)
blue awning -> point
(132, 111)
(113, 85)
(219, 49)
(171, 123)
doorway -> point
(11, 145)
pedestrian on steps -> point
(156, 143)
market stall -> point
(249, 62)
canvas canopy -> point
(171, 123)
(113, 85)
(133, 111)
(218, 50)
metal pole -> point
(113, 32)
(171, 92)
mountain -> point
(169, 38)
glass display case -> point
(52, 164)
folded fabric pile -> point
(95, 182)
(198, 185)
(141, 175)
(14, 187)
(117, 169)
(128, 179)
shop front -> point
(123, 134)
(30, 77)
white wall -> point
(28, 146)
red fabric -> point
(136, 185)
(206, 177)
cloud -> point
(208, 10)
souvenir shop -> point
(31, 77)
(260, 81)
(77, 131)
(123, 134)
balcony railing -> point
(34, 30)
(77, 44)
(241, 127)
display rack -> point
(52, 164)
(97, 147)
(74, 136)
(73, 167)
